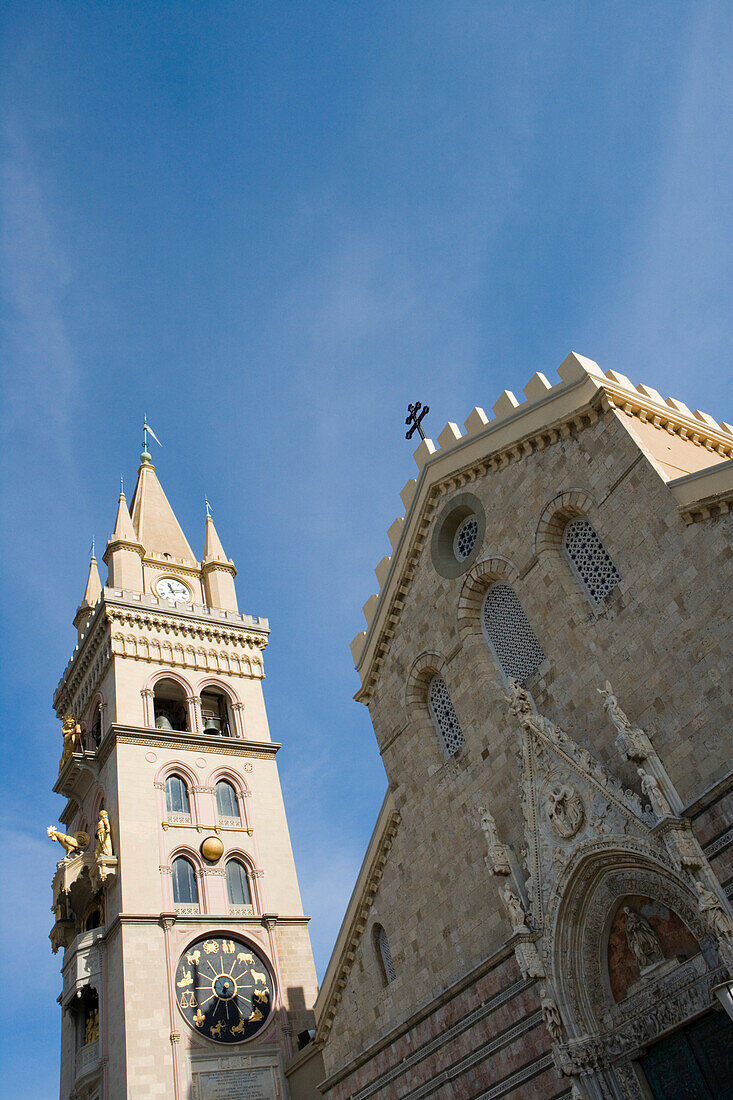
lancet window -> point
(384, 954)
(185, 891)
(238, 891)
(227, 808)
(444, 716)
(589, 559)
(509, 634)
(176, 798)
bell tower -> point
(187, 966)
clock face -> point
(171, 589)
(224, 989)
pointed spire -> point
(153, 519)
(92, 592)
(213, 549)
(123, 524)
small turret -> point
(218, 571)
(124, 552)
(93, 591)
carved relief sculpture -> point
(71, 844)
(643, 940)
(529, 961)
(565, 810)
(71, 731)
(551, 1016)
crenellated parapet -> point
(674, 439)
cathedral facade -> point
(544, 907)
(187, 966)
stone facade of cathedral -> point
(544, 907)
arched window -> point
(589, 559)
(509, 634)
(444, 716)
(176, 795)
(185, 891)
(226, 801)
(384, 955)
(238, 890)
(169, 706)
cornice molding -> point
(221, 746)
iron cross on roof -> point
(415, 419)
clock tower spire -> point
(187, 961)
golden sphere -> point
(212, 848)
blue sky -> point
(270, 226)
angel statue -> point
(72, 845)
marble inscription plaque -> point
(237, 1084)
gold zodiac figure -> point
(199, 1018)
(211, 946)
(245, 957)
(228, 947)
(216, 1031)
(254, 1016)
(194, 958)
(259, 977)
(261, 995)
(188, 1000)
(187, 979)
(238, 1029)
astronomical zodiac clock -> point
(224, 989)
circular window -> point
(458, 535)
(464, 539)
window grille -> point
(590, 559)
(184, 882)
(465, 538)
(238, 889)
(226, 801)
(444, 716)
(176, 795)
(388, 966)
(509, 634)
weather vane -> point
(415, 419)
(146, 429)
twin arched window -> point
(589, 559)
(185, 890)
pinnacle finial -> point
(91, 551)
(208, 507)
(122, 485)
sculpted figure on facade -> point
(651, 789)
(565, 810)
(498, 852)
(642, 939)
(103, 846)
(632, 741)
(515, 909)
(712, 910)
(71, 732)
(522, 707)
(71, 844)
(528, 958)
